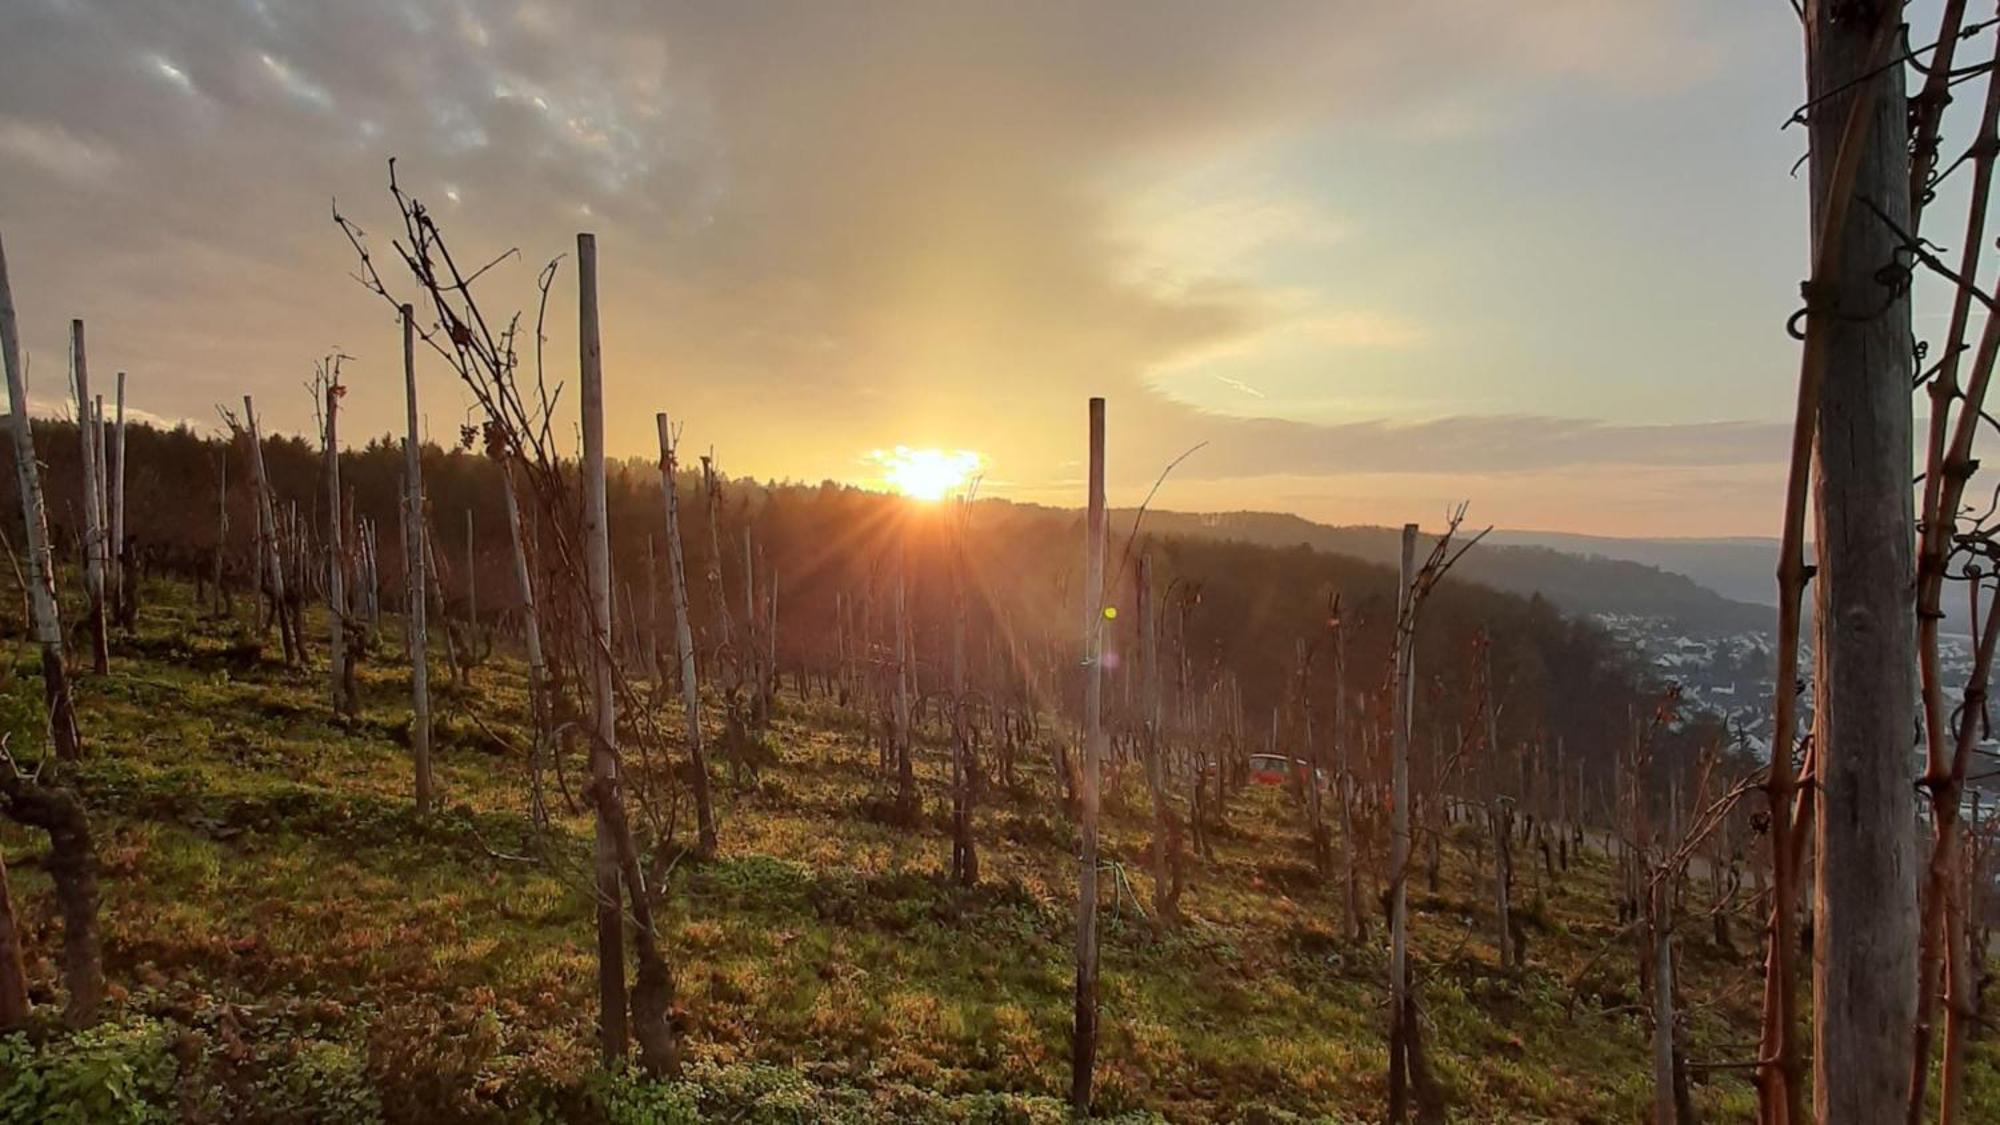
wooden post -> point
(221, 528)
(417, 632)
(1844, 114)
(339, 672)
(13, 967)
(1498, 818)
(964, 858)
(1399, 829)
(1665, 1109)
(906, 778)
(93, 531)
(122, 578)
(43, 606)
(1865, 877)
(684, 642)
(531, 627)
(770, 636)
(103, 493)
(751, 655)
(471, 582)
(435, 590)
(1357, 926)
(650, 625)
(267, 534)
(374, 578)
(1166, 840)
(603, 744)
(1315, 808)
(1083, 1037)
(712, 496)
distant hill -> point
(1740, 568)
(1578, 573)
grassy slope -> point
(285, 935)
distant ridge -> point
(1742, 568)
(1578, 573)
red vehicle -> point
(1276, 769)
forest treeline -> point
(1235, 612)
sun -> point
(926, 474)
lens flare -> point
(926, 474)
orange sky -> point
(1379, 257)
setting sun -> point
(926, 474)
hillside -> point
(1580, 575)
(286, 941)
(1741, 568)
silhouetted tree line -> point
(1233, 611)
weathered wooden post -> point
(906, 778)
(531, 630)
(1497, 815)
(650, 625)
(267, 535)
(103, 464)
(1166, 842)
(1083, 1036)
(964, 857)
(93, 530)
(340, 672)
(41, 801)
(612, 1030)
(123, 581)
(471, 583)
(222, 604)
(684, 642)
(1357, 925)
(413, 565)
(1865, 876)
(1399, 829)
(43, 607)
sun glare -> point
(926, 474)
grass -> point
(287, 941)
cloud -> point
(824, 228)
(50, 148)
(1499, 444)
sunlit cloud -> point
(174, 75)
(1362, 328)
(1237, 385)
(54, 149)
(297, 85)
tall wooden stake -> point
(1399, 829)
(267, 535)
(684, 642)
(221, 528)
(1864, 932)
(1780, 1078)
(1357, 925)
(339, 672)
(603, 744)
(531, 626)
(42, 604)
(1083, 1036)
(417, 632)
(121, 578)
(93, 530)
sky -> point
(1379, 257)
